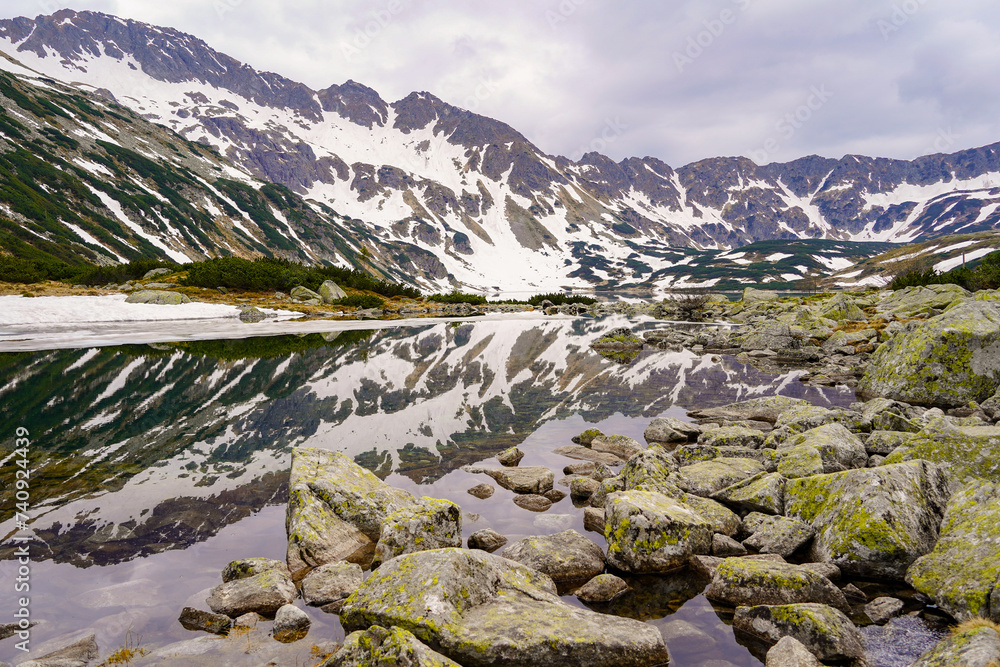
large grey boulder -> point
(947, 361)
(621, 446)
(480, 610)
(790, 652)
(842, 307)
(304, 294)
(764, 492)
(249, 567)
(565, 556)
(969, 452)
(528, 479)
(767, 408)
(838, 449)
(336, 509)
(743, 582)
(779, 535)
(649, 532)
(262, 593)
(825, 631)
(668, 430)
(962, 573)
(733, 436)
(911, 301)
(428, 524)
(158, 297)
(873, 522)
(705, 478)
(381, 646)
(290, 624)
(330, 291)
(754, 297)
(331, 583)
(977, 646)
(690, 454)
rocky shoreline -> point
(774, 503)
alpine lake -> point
(155, 464)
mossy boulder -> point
(947, 361)
(248, 567)
(335, 509)
(650, 468)
(331, 583)
(970, 452)
(480, 610)
(621, 446)
(912, 301)
(803, 418)
(304, 294)
(842, 308)
(705, 478)
(381, 646)
(766, 408)
(962, 573)
(330, 291)
(744, 582)
(733, 436)
(801, 461)
(565, 556)
(776, 534)
(839, 449)
(649, 532)
(764, 492)
(428, 524)
(976, 646)
(825, 631)
(690, 454)
(667, 430)
(158, 297)
(884, 443)
(873, 522)
(587, 437)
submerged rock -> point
(648, 532)
(290, 624)
(873, 522)
(486, 539)
(825, 631)
(602, 588)
(962, 573)
(565, 556)
(482, 610)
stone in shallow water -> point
(565, 556)
(530, 479)
(621, 446)
(648, 532)
(381, 646)
(196, 619)
(667, 430)
(248, 567)
(486, 540)
(482, 491)
(263, 593)
(602, 588)
(826, 632)
(510, 457)
(430, 524)
(742, 581)
(77, 654)
(881, 610)
(587, 454)
(290, 624)
(482, 610)
(532, 502)
(330, 583)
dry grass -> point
(974, 623)
(128, 652)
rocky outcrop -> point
(873, 522)
(744, 582)
(479, 610)
(565, 556)
(381, 646)
(825, 631)
(648, 532)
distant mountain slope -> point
(471, 198)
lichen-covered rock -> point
(197, 619)
(565, 556)
(331, 583)
(648, 532)
(743, 582)
(705, 478)
(947, 361)
(964, 567)
(804, 418)
(158, 297)
(776, 534)
(602, 588)
(381, 646)
(621, 446)
(585, 438)
(585, 454)
(300, 293)
(842, 308)
(970, 452)
(839, 449)
(263, 593)
(667, 430)
(764, 492)
(773, 337)
(486, 539)
(529, 479)
(248, 567)
(582, 488)
(790, 652)
(690, 454)
(335, 509)
(722, 519)
(825, 631)
(767, 408)
(650, 469)
(330, 291)
(290, 624)
(733, 436)
(977, 646)
(883, 609)
(481, 610)
(724, 546)
(510, 457)
(873, 522)
(801, 461)
(884, 443)
(912, 301)
(430, 524)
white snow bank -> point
(19, 310)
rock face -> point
(262, 593)
(335, 509)
(158, 297)
(873, 522)
(565, 556)
(331, 583)
(480, 610)
(779, 535)
(648, 532)
(330, 291)
(743, 582)
(962, 573)
(379, 646)
(947, 361)
(974, 647)
(970, 452)
(826, 632)
(429, 524)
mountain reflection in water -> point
(144, 449)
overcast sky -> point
(676, 79)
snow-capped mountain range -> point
(472, 201)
